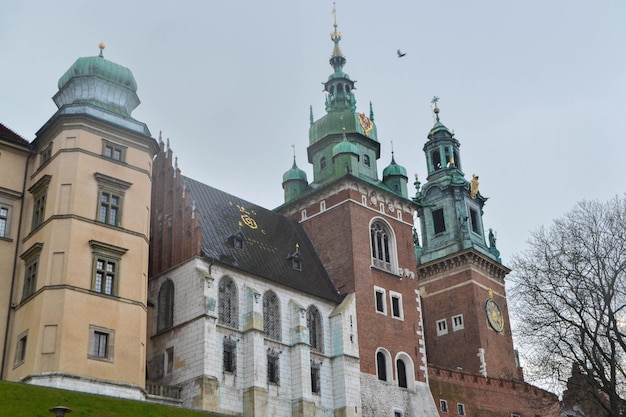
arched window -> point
(382, 246)
(401, 368)
(228, 303)
(381, 366)
(165, 310)
(405, 371)
(271, 316)
(314, 323)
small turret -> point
(295, 182)
(395, 177)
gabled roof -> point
(11, 136)
(270, 241)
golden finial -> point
(416, 176)
(297, 247)
(101, 46)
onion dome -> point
(99, 83)
(394, 170)
(295, 174)
(345, 147)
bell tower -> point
(362, 229)
(461, 277)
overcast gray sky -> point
(533, 89)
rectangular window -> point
(20, 349)
(273, 372)
(457, 322)
(323, 205)
(113, 151)
(474, 220)
(46, 154)
(169, 357)
(104, 280)
(442, 327)
(443, 406)
(381, 304)
(229, 359)
(101, 343)
(106, 267)
(39, 192)
(110, 199)
(30, 278)
(460, 409)
(4, 221)
(315, 377)
(39, 210)
(396, 305)
(109, 208)
(439, 222)
(515, 415)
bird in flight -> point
(401, 54)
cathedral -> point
(121, 276)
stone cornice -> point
(468, 257)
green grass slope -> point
(21, 400)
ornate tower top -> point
(96, 86)
(451, 207)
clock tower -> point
(460, 275)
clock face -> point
(494, 315)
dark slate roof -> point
(269, 241)
(11, 136)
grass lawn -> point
(21, 400)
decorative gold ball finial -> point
(101, 46)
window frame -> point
(228, 304)
(39, 191)
(20, 349)
(443, 406)
(165, 308)
(6, 219)
(114, 187)
(45, 155)
(460, 409)
(106, 144)
(396, 296)
(229, 355)
(378, 291)
(272, 325)
(316, 329)
(31, 258)
(442, 330)
(273, 367)
(316, 376)
(474, 219)
(439, 221)
(96, 335)
(383, 249)
(109, 254)
(461, 325)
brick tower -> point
(461, 278)
(362, 229)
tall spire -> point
(339, 85)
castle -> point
(120, 276)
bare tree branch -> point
(569, 294)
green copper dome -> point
(100, 67)
(345, 147)
(394, 170)
(101, 89)
(295, 173)
(336, 123)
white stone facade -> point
(194, 345)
